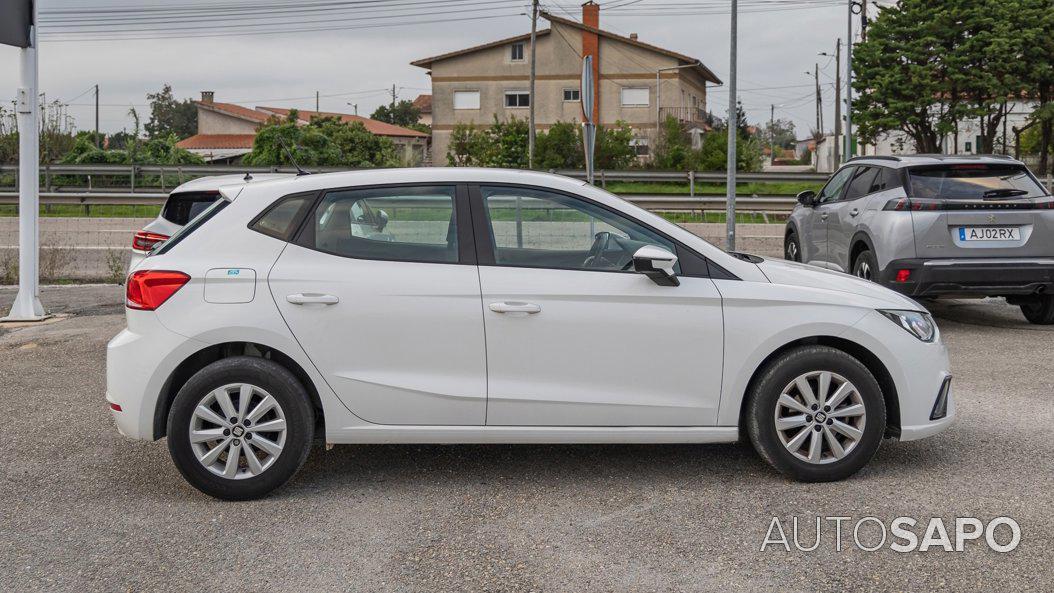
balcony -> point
(687, 115)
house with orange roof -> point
(226, 131)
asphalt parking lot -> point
(82, 508)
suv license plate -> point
(989, 233)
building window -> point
(640, 146)
(635, 96)
(466, 99)
(516, 52)
(517, 99)
(572, 95)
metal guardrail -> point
(774, 204)
(112, 192)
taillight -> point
(916, 204)
(145, 241)
(149, 289)
(903, 275)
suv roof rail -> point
(877, 156)
(999, 156)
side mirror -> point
(807, 198)
(382, 220)
(656, 263)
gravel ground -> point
(85, 509)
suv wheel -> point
(865, 265)
(791, 247)
(816, 414)
(1040, 310)
(240, 428)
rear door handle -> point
(528, 308)
(312, 299)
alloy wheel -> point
(237, 431)
(792, 251)
(863, 270)
(820, 417)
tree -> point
(324, 142)
(169, 116)
(403, 114)
(560, 147)
(613, 149)
(673, 147)
(468, 147)
(780, 133)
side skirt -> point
(389, 434)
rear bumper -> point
(971, 277)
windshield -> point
(973, 182)
(165, 246)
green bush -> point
(324, 142)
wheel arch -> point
(210, 354)
(861, 241)
(857, 351)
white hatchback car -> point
(493, 306)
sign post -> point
(589, 130)
(18, 28)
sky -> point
(779, 40)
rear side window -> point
(183, 207)
(973, 182)
(195, 223)
(885, 179)
(417, 224)
(861, 182)
(282, 218)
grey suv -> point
(934, 225)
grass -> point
(97, 211)
(708, 216)
(711, 189)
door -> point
(814, 244)
(576, 339)
(844, 215)
(381, 290)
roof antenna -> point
(289, 154)
(248, 176)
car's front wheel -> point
(1039, 310)
(240, 428)
(816, 414)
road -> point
(85, 509)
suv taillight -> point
(145, 240)
(148, 289)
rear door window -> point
(973, 182)
(417, 224)
(183, 207)
(860, 184)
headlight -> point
(917, 323)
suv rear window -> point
(973, 182)
(183, 207)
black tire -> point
(1039, 311)
(792, 247)
(761, 410)
(278, 382)
(865, 266)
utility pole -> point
(849, 84)
(863, 20)
(730, 165)
(393, 100)
(819, 100)
(530, 91)
(98, 141)
(837, 102)
(316, 102)
(772, 132)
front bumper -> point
(971, 277)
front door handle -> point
(312, 299)
(528, 308)
(854, 212)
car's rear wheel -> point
(792, 247)
(240, 428)
(865, 266)
(1039, 310)
(816, 414)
